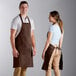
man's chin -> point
(24, 13)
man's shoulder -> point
(16, 18)
(30, 18)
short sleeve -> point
(32, 25)
(14, 24)
(51, 29)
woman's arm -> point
(47, 43)
(61, 40)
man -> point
(22, 41)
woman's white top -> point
(56, 34)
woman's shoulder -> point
(51, 26)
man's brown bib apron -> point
(23, 44)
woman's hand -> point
(43, 55)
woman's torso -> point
(56, 34)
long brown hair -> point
(56, 15)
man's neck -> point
(24, 15)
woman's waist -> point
(54, 42)
(55, 46)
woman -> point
(52, 50)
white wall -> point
(38, 10)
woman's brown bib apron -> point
(48, 55)
(23, 44)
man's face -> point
(23, 9)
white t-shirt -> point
(56, 34)
(17, 24)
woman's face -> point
(52, 19)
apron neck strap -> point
(28, 18)
(25, 18)
(21, 18)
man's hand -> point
(34, 51)
(15, 53)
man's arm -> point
(12, 39)
(33, 42)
